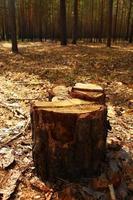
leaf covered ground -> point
(28, 76)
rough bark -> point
(63, 28)
(75, 22)
(115, 21)
(69, 138)
(128, 19)
(131, 33)
(110, 23)
(12, 15)
(101, 21)
(40, 20)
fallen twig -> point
(26, 99)
(112, 192)
(27, 83)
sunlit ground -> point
(39, 66)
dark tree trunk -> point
(22, 26)
(131, 33)
(101, 22)
(110, 23)
(121, 22)
(40, 20)
(115, 21)
(6, 21)
(92, 20)
(3, 21)
(128, 19)
(63, 28)
(75, 22)
(2, 30)
(12, 15)
(52, 23)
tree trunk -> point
(101, 21)
(40, 20)
(22, 25)
(92, 20)
(75, 22)
(121, 22)
(69, 138)
(12, 15)
(6, 19)
(110, 23)
(2, 21)
(115, 21)
(131, 33)
(63, 28)
(128, 19)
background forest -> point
(41, 19)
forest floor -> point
(29, 75)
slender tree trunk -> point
(63, 27)
(131, 33)
(92, 20)
(101, 22)
(3, 21)
(40, 20)
(95, 22)
(3, 28)
(115, 21)
(21, 20)
(52, 22)
(110, 23)
(121, 22)
(81, 21)
(45, 21)
(128, 19)
(31, 31)
(6, 14)
(75, 22)
(12, 15)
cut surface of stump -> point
(90, 92)
(69, 138)
(59, 93)
(88, 87)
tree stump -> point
(69, 138)
(89, 92)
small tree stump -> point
(89, 92)
(69, 138)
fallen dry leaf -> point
(6, 157)
(10, 184)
